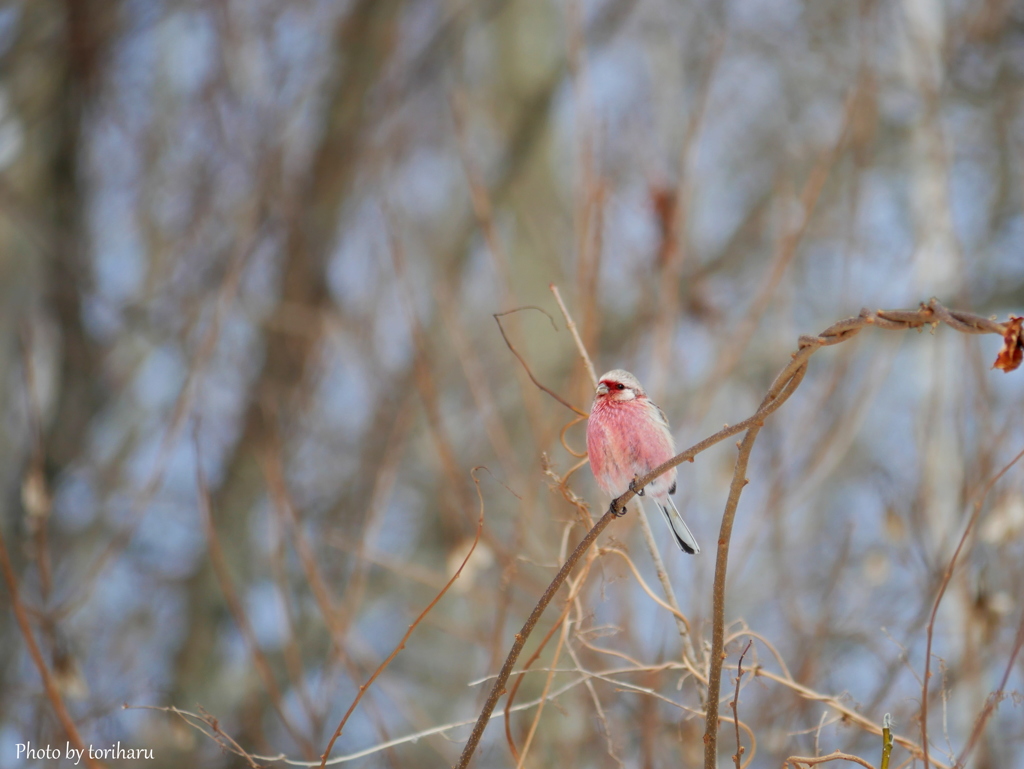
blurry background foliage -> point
(265, 239)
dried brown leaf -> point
(1012, 353)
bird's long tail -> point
(680, 532)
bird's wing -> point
(659, 413)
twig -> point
(574, 588)
(837, 756)
(473, 372)
(578, 454)
(426, 382)
(630, 687)
(208, 725)
(994, 698)
(739, 480)
(335, 618)
(886, 740)
(679, 616)
(548, 390)
(176, 423)
(406, 739)
(850, 716)
(736, 704)
(673, 208)
(564, 625)
(942, 591)
(787, 249)
(401, 644)
(479, 196)
(52, 692)
(517, 647)
(768, 645)
(34, 491)
(575, 335)
(227, 587)
(522, 675)
(682, 624)
(817, 732)
(608, 676)
(601, 717)
(590, 191)
(269, 459)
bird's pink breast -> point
(624, 440)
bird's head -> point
(618, 386)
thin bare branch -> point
(517, 647)
(736, 704)
(571, 324)
(52, 692)
(946, 577)
(836, 756)
(549, 391)
(849, 715)
(993, 700)
(238, 612)
(401, 644)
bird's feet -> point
(618, 512)
(632, 487)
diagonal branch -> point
(49, 684)
(548, 390)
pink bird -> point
(627, 437)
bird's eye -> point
(620, 386)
